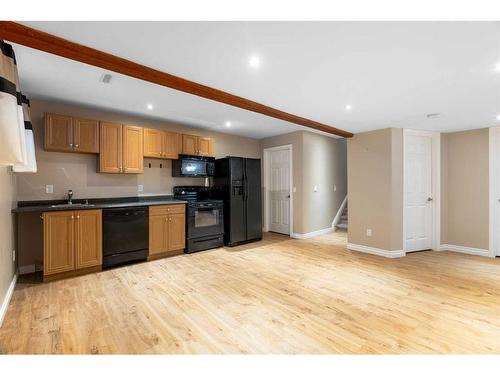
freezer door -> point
(237, 216)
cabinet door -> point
(157, 234)
(176, 231)
(153, 143)
(86, 135)
(170, 145)
(58, 132)
(58, 242)
(110, 153)
(189, 144)
(203, 146)
(133, 155)
(206, 146)
(88, 238)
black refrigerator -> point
(237, 183)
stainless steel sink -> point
(76, 205)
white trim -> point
(336, 219)
(376, 251)
(288, 147)
(6, 300)
(303, 236)
(465, 250)
(436, 184)
(494, 212)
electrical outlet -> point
(368, 232)
(49, 189)
(140, 188)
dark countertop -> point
(47, 205)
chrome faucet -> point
(70, 196)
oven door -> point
(204, 221)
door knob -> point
(288, 196)
(429, 199)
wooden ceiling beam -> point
(29, 37)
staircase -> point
(342, 224)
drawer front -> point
(167, 209)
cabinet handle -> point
(76, 145)
(78, 217)
(71, 145)
(72, 217)
(170, 219)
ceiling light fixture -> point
(150, 106)
(228, 124)
(348, 107)
(254, 61)
(497, 67)
(498, 117)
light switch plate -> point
(294, 189)
(334, 187)
(49, 189)
(368, 232)
(315, 188)
(140, 188)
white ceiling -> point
(391, 73)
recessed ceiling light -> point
(254, 61)
(150, 107)
(228, 124)
(497, 67)
(498, 118)
(348, 107)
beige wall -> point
(78, 171)
(375, 188)
(7, 243)
(465, 188)
(324, 161)
(317, 160)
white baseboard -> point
(465, 250)
(6, 300)
(376, 251)
(303, 236)
(336, 219)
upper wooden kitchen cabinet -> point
(72, 241)
(70, 134)
(195, 145)
(121, 148)
(167, 230)
(160, 144)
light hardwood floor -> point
(276, 296)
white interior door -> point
(279, 191)
(419, 201)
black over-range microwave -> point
(193, 166)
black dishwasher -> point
(125, 235)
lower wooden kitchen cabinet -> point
(167, 230)
(72, 243)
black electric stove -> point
(205, 218)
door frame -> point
(494, 187)
(436, 184)
(266, 178)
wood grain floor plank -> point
(275, 296)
